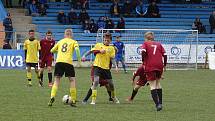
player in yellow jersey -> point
(105, 54)
(64, 64)
(31, 48)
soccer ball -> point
(66, 99)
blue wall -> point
(3, 12)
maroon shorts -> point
(46, 62)
(153, 75)
(102, 82)
(141, 82)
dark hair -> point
(48, 32)
(31, 30)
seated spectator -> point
(101, 23)
(72, 17)
(42, 10)
(8, 27)
(115, 9)
(61, 17)
(6, 45)
(33, 9)
(86, 26)
(120, 24)
(83, 16)
(126, 9)
(84, 4)
(153, 11)
(141, 10)
(197, 25)
(93, 26)
(212, 22)
(109, 23)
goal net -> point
(180, 45)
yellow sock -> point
(94, 95)
(113, 94)
(54, 91)
(29, 77)
(73, 94)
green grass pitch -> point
(187, 96)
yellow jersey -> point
(32, 48)
(103, 60)
(65, 48)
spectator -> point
(84, 4)
(197, 25)
(6, 45)
(61, 17)
(42, 10)
(8, 27)
(126, 9)
(22, 3)
(86, 26)
(115, 9)
(141, 10)
(153, 11)
(93, 26)
(33, 8)
(101, 23)
(83, 16)
(120, 24)
(8, 3)
(212, 22)
(72, 17)
(109, 23)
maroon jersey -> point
(154, 56)
(46, 46)
(140, 72)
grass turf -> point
(187, 96)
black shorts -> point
(102, 73)
(35, 65)
(61, 68)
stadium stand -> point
(173, 16)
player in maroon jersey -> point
(102, 82)
(139, 83)
(154, 59)
(46, 57)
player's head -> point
(118, 38)
(107, 38)
(149, 36)
(49, 35)
(31, 33)
(68, 33)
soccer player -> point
(102, 82)
(154, 58)
(120, 52)
(46, 57)
(64, 64)
(31, 48)
(139, 83)
(105, 53)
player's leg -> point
(58, 73)
(54, 90)
(73, 92)
(134, 92)
(123, 65)
(108, 91)
(38, 75)
(42, 65)
(89, 93)
(94, 91)
(28, 74)
(49, 68)
(159, 91)
(97, 73)
(113, 91)
(70, 73)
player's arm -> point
(25, 49)
(143, 56)
(165, 61)
(54, 49)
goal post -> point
(181, 46)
